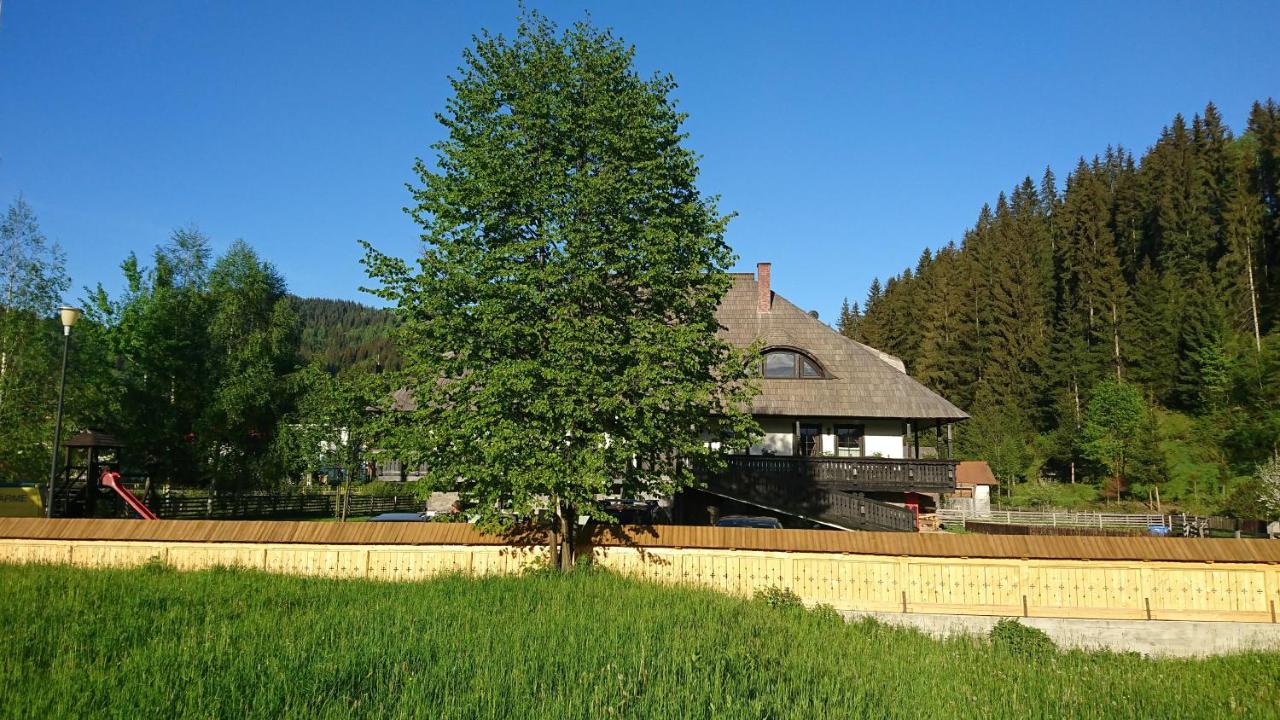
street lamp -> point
(68, 316)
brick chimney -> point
(764, 291)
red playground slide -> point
(112, 480)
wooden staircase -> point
(70, 499)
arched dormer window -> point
(791, 364)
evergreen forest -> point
(342, 334)
(1116, 334)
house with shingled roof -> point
(843, 422)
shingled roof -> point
(861, 381)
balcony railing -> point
(850, 474)
(850, 510)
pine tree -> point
(1213, 139)
(1103, 293)
(1128, 216)
(1201, 346)
(872, 327)
(849, 320)
(1020, 298)
(1153, 332)
(1242, 226)
(1183, 228)
(943, 350)
(1264, 128)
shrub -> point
(155, 565)
(776, 597)
(1019, 639)
(826, 613)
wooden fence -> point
(248, 506)
(1127, 578)
(1173, 523)
(987, 528)
(1057, 519)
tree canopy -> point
(558, 330)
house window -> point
(810, 440)
(791, 364)
(849, 440)
(780, 365)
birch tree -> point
(32, 281)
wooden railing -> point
(1057, 519)
(857, 474)
(269, 505)
(820, 503)
(1173, 524)
(266, 506)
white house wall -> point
(779, 435)
(882, 436)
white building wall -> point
(982, 499)
(779, 435)
(882, 436)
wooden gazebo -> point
(85, 455)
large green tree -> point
(157, 332)
(202, 349)
(253, 346)
(331, 424)
(1113, 423)
(559, 327)
(31, 284)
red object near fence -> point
(111, 480)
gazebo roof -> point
(93, 439)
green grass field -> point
(154, 642)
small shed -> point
(974, 481)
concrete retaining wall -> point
(1182, 638)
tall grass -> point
(153, 642)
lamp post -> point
(68, 316)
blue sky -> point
(847, 136)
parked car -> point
(631, 512)
(403, 517)
(749, 521)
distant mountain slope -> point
(343, 334)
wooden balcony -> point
(820, 503)
(847, 474)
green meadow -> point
(153, 642)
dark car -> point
(401, 517)
(749, 521)
(631, 512)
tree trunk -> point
(1253, 304)
(346, 498)
(1075, 392)
(1115, 338)
(553, 542)
(567, 526)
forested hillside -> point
(1123, 328)
(341, 334)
